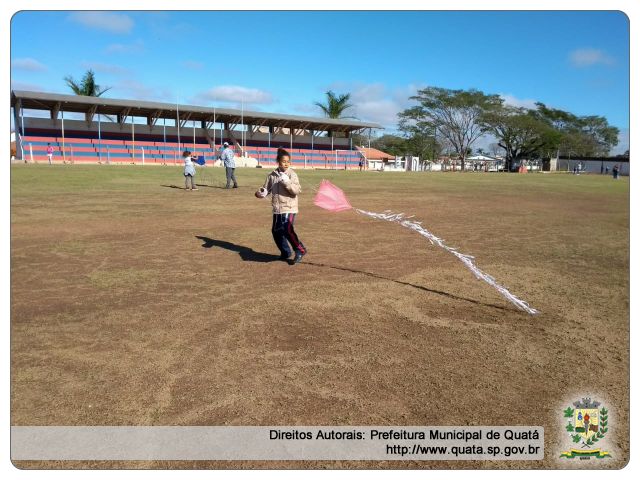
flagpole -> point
(99, 141)
(178, 121)
(64, 153)
(242, 122)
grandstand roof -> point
(138, 108)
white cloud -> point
(31, 87)
(28, 64)
(374, 102)
(109, 21)
(193, 65)
(139, 91)
(586, 57)
(136, 47)
(368, 92)
(235, 94)
(161, 25)
(513, 101)
(383, 111)
(305, 109)
(107, 68)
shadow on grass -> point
(247, 254)
(209, 186)
(197, 185)
(419, 287)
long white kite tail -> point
(466, 259)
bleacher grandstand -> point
(115, 131)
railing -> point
(124, 151)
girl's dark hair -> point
(282, 153)
(186, 153)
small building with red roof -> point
(377, 159)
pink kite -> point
(331, 197)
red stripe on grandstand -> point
(40, 139)
(109, 142)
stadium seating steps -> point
(91, 150)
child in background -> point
(49, 152)
(189, 171)
(284, 186)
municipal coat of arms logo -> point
(587, 424)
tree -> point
(87, 85)
(589, 136)
(335, 106)
(424, 146)
(519, 133)
(452, 115)
(393, 144)
(494, 149)
(416, 145)
(602, 134)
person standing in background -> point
(49, 153)
(189, 171)
(228, 159)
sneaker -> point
(194, 189)
(284, 257)
(235, 186)
(298, 257)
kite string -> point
(466, 259)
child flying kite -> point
(284, 187)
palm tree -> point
(87, 85)
(335, 106)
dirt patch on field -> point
(134, 304)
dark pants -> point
(284, 234)
(231, 176)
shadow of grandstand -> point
(419, 287)
(247, 254)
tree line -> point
(453, 120)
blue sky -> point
(284, 61)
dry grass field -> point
(135, 302)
